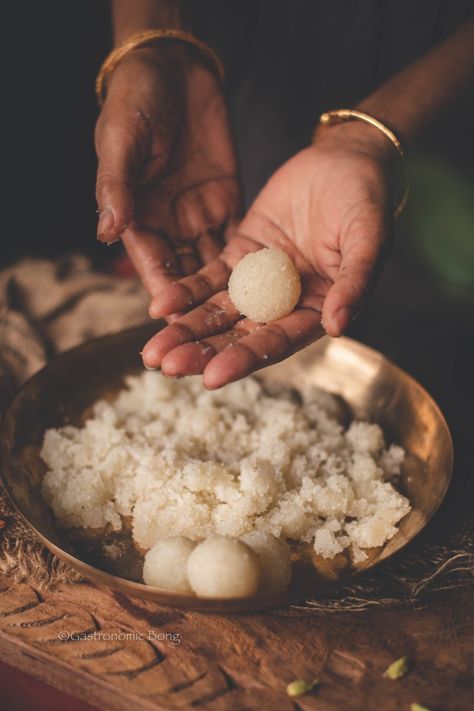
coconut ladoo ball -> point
(223, 567)
(265, 285)
(275, 561)
(165, 564)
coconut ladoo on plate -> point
(228, 478)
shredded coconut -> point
(183, 461)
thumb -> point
(119, 155)
(361, 249)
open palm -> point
(327, 208)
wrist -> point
(157, 56)
(359, 137)
(185, 47)
(169, 61)
(366, 141)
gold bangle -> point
(338, 116)
(143, 39)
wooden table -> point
(236, 662)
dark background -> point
(52, 54)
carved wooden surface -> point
(236, 662)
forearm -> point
(441, 82)
(140, 15)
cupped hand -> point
(329, 208)
(167, 176)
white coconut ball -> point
(165, 564)
(223, 567)
(275, 561)
(265, 285)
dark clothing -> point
(289, 60)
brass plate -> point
(371, 386)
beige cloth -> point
(48, 307)
(45, 308)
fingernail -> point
(151, 312)
(106, 222)
(343, 318)
(147, 367)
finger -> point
(188, 359)
(193, 290)
(189, 263)
(191, 214)
(209, 246)
(120, 152)
(207, 206)
(223, 200)
(263, 346)
(191, 358)
(153, 258)
(360, 251)
(215, 316)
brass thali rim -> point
(170, 598)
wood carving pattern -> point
(236, 662)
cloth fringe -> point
(410, 579)
(23, 556)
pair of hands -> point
(167, 184)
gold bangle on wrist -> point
(329, 118)
(144, 39)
